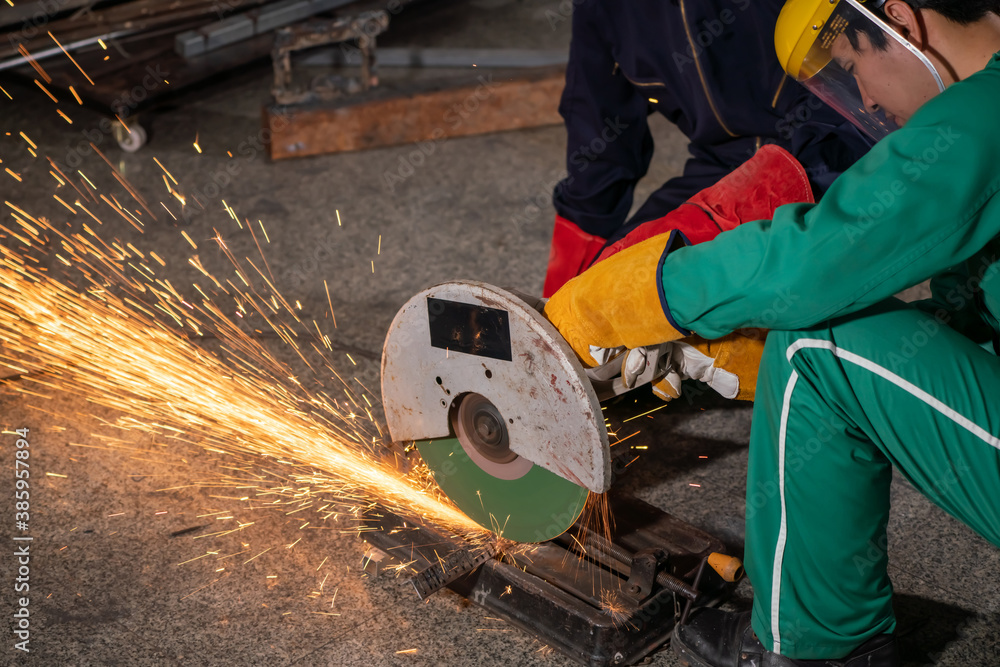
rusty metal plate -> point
(462, 338)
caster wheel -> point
(131, 141)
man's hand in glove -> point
(617, 302)
(728, 365)
(770, 178)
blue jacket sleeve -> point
(609, 145)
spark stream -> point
(99, 337)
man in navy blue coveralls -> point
(707, 65)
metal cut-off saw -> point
(511, 426)
(502, 411)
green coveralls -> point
(853, 381)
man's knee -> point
(776, 347)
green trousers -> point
(838, 406)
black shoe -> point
(714, 638)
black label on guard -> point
(463, 327)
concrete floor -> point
(113, 580)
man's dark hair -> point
(963, 12)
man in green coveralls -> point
(852, 381)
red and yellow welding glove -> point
(616, 303)
(728, 365)
(571, 252)
(771, 178)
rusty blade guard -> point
(468, 339)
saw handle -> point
(729, 567)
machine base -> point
(590, 608)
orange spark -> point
(46, 91)
(165, 170)
(70, 57)
(31, 61)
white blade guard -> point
(470, 337)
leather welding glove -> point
(728, 365)
(617, 302)
(753, 190)
(589, 314)
(771, 178)
(571, 252)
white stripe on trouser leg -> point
(779, 550)
(905, 385)
(881, 371)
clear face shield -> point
(852, 31)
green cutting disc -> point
(536, 506)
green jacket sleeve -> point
(921, 201)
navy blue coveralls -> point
(711, 68)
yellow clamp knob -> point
(729, 567)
